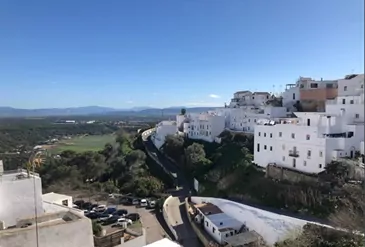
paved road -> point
(176, 206)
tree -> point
(174, 146)
(183, 111)
(195, 155)
(97, 228)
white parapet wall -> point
(272, 227)
(165, 214)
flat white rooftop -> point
(52, 197)
(14, 175)
(222, 221)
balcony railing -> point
(293, 153)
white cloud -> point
(214, 96)
(129, 102)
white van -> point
(143, 203)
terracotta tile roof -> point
(208, 208)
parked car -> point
(143, 203)
(111, 220)
(104, 217)
(121, 220)
(133, 216)
(87, 206)
(92, 215)
(135, 201)
(110, 210)
(121, 212)
(79, 203)
(151, 204)
(100, 208)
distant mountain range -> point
(97, 110)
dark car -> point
(110, 210)
(121, 212)
(111, 220)
(133, 216)
(86, 206)
(79, 203)
(92, 215)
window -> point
(352, 102)
(294, 96)
(308, 137)
(314, 85)
(253, 97)
(292, 135)
(283, 158)
(304, 163)
(265, 147)
(309, 153)
(258, 147)
(206, 223)
(270, 148)
(65, 202)
(294, 163)
(270, 135)
(264, 134)
(213, 230)
(329, 85)
(254, 120)
(227, 235)
(357, 115)
(308, 122)
(259, 133)
(249, 120)
(320, 165)
(345, 88)
(280, 134)
(320, 154)
(343, 101)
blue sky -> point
(170, 52)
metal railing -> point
(293, 153)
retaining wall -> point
(165, 209)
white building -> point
(22, 211)
(205, 126)
(314, 139)
(20, 196)
(247, 98)
(219, 225)
(163, 129)
(245, 119)
(270, 226)
(59, 199)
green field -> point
(83, 143)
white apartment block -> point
(314, 139)
(201, 126)
(245, 119)
(163, 129)
(247, 98)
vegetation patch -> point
(82, 143)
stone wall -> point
(280, 173)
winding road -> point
(176, 205)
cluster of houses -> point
(310, 124)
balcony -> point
(293, 153)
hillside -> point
(96, 110)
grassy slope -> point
(84, 143)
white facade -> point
(203, 126)
(312, 140)
(217, 224)
(247, 98)
(59, 199)
(20, 196)
(163, 129)
(291, 95)
(245, 119)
